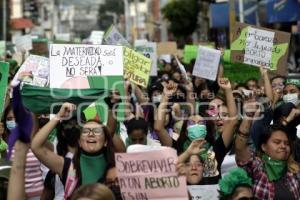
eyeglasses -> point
(96, 131)
(197, 164)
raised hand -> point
(224, 83)
(22, 75)
(66, 110)
(196, 147)
(180, 169)
(170, 88)
(263, 71)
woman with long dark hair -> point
(92, 159)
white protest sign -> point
(23, 43)
(207, 63)
(182, 69)
(166, 57)
(71, 64)
(150, 175)
(204, 192)
(114, 37)
(149, 50)
(259, 47)
(96, 37)
(39, 67)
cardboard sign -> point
(2, 48)
(259, 46)
(207, 63)
(39, 67)
(136, 67)
(114, 37)
(96, 37)
(149, 50)
(166, 48)
(72, 64)
(150, 175)
(204, 192)
(23, 43)
(4, 70)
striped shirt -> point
(33, 175)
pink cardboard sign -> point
(150, 175)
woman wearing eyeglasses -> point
(90, 162)
(197, 127)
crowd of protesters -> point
(206, 122)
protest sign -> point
(166, 48)
(189, 53)
(4, 69)
(136, 67)
(166, 57)
(39, 67)
(150, 175)
(207, 63)
(71, 64)
(96, 37)
(259, 46)
(149, 50)
(114, 37)
(2, 48)
(23, 43)
(204, 192)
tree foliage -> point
(182, 15)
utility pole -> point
(241, 11)
(127, 20)
(136, 5)
(4, 20)
(231, 19)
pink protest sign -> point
(150, 175)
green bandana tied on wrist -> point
(275, 169)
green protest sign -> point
(189, 53)
(4, 69)
(258, 46)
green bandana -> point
(92, 168)
(232, 180)
(202, 155)
(275, 169)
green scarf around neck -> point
(275, 169)
(92, 168)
